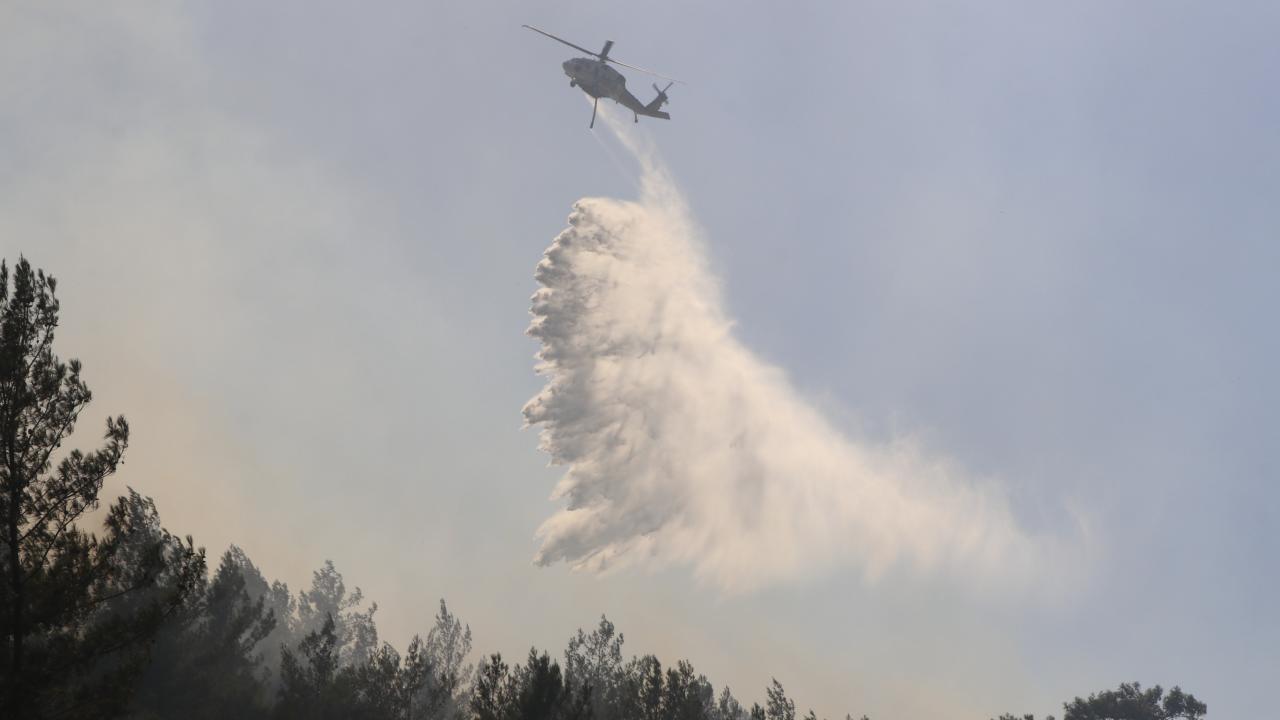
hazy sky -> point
(296, 244)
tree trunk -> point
(15, 592)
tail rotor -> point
(662, 95)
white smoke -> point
(681, 446)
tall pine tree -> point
(76, 610)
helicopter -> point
(598, 80)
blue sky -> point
(296, 246)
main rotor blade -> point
(647, 72)
(592, 53)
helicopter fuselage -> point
(596, 78)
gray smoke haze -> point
(681, 446)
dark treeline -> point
(130, 622)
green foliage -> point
(595, 660)
(536, 690)
(491, 695)
(687, 696)
(77, 611)
(728, 707)
(1131, 702)
(777, 705)
(309, 678)
(204, 662)
(540, 690)
(283, 607)
(327, 600)
(317, 681)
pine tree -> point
(1131, 702)
(205, 661)
(76, 610)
